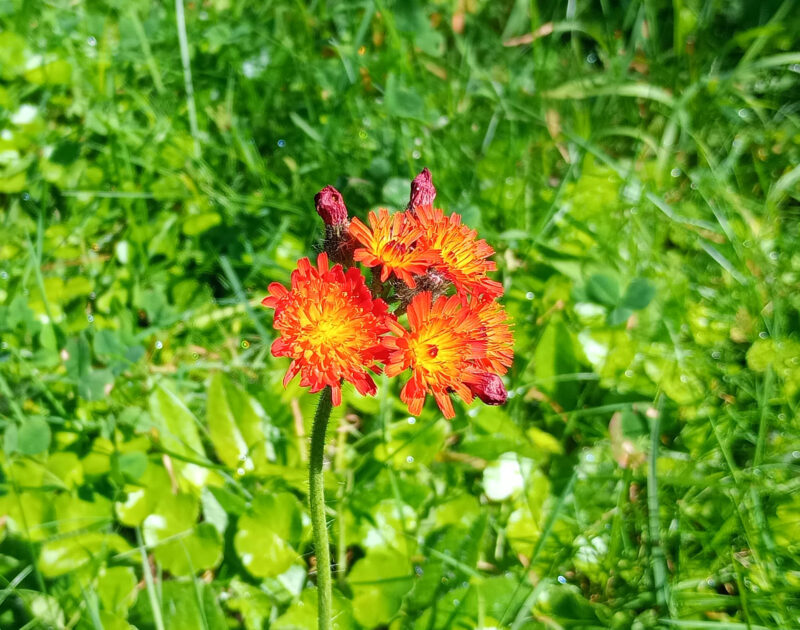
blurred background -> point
(635, 166)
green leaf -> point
(253, 606)
(302, 614)
(132, 465)
(65, 555)
(379, 581)
(117, 589)
(65, 153)
(142, 497)
(181, 545)
(618, 316)
(33, 436)
(235, 425)
(198, 223)
(266, 535)
(191, 605)
(178, 432)
(603, 289)
(553, 358)
(639, 294)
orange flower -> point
(496, 329)
(330, 326)
(463, 257)
(391, 243)
(441, 348)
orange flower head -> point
(330, 326)
(463, 257)
(391, 242)
(440, 349)
(496, 329)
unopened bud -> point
(423, 191)
(490, 389)
(330, 206)
(338, 243)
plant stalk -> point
(316, 501)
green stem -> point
(316, 501)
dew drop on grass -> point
(562, 579)
(4, 275)
(763, 334)
(591, 58)
(26, 197)
(675, 172)
(716, 355)
(91, 40)
(240, 471)
(530, 295)
(796, 454)
(159, 345)
(410, 459)
(773, 255)
(411, 419)
(90, 318)
(418, 571)
(416, 155)
(417, 142)
(281, 143)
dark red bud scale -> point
(330, 206)
(490, 389)
(423, 192)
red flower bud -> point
(423, 192)
(330, 206)
(489, 389)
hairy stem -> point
(316, 500)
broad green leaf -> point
(198, 223)
(302, 614)
(252, 604)
(236, 426)
(117, 589)
(379, 581)
(267, 535)
(181, 545)
(619, 315)
(142, 497)
(72, 513)
(33, 436)
(413, 445)
(639, 294)
(603, 289)
(554, 358)
(178, 432)
(190, 605)
(64, 555)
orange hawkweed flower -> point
(463, 257)
(330, 326)
(496, 329)
(440, 349)
(391, 243)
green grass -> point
(634, 165)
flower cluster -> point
(432, 270)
